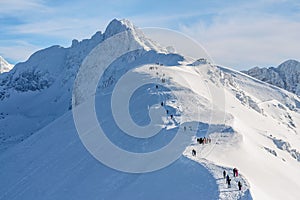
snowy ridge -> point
(117, 26)
(46, 78)
(43, 157)
(286, 75)
(4, 65)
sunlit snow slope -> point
(253, 126)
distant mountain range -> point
(286, 75)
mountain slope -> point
(63, 169)
(57, 165)
(253, 126)
(38, 91)
(286, 75)
(4, 65)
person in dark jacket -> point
(227, 178)
(240, 185)
(224, 174)
(194, 152)
(201, 141)
(229, 184)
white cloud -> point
(239, 35)
(18, 50)
(18, 7)
(66, 28)
(244, 42)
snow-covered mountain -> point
(36, 92)
(4, 65)
(286, 75)
(253, 126)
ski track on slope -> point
(225, 193)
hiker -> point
(156, 86)
(224, 174)
(236, 172)
(171, 116)
(240, 185)
(162, 103)
(184, 128)
(167, 111)
(201, 140)
(229, 184)
(194, 152)
(227, 178)
(204, 140)
(228, 181)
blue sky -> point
(238, 34)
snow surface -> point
(4, 65)
(247, 120)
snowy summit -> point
(246, 143)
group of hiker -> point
(203, 140)
(162, 104)
(228, 179)
(167, 111)
(225, 175)
(156, 86)
(163, 80)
